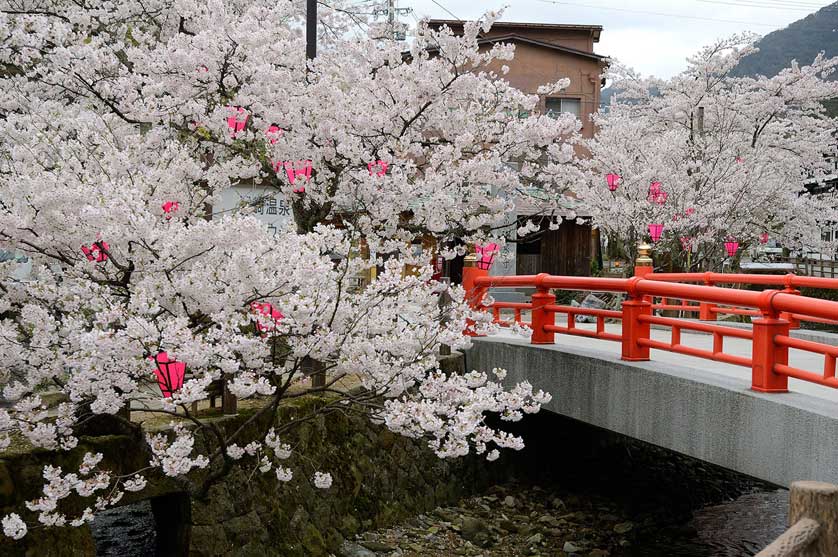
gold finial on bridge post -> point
(643, 265)
(470, 259)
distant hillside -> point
(801, 41)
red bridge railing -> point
(791, 284)
(774, 312)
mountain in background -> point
(801, 41)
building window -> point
(556, 106)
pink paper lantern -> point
(731, 247)
(655, 231)
(295, 170)
(613, 181)
(690, 211)
(740, 160)
(169, 373)
(487, 255)
(377, 168)
(656, 194)
(170, 207)
(238, 121)
(97, 251)
(274, 133)
(763, 238)
(267, 310)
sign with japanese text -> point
(269, 205)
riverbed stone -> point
(377, 546)
(570, 547)
(535, 538)
(549, 520)
(623, 527)
(352, 549)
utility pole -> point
(309, 366)
(391, 12)
(311, 29)
(391, 18)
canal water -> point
(735, 528)
(128, 531)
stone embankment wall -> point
(379, 479)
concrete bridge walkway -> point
(735, 346)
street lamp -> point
(169, 373)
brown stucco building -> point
(545, 53)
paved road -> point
(740, 347)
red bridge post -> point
(767, 353)
(540, 316)
(705, 309)
(636, 305)
(634, 329)
(788, 281)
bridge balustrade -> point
(790, 282)
(774, 313)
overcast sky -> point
(636, 31)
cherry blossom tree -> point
(713, 157)
(124, 123)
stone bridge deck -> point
(701, 408)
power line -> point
(449, 12)
(789, 3)
(662, 14)
(767, 7)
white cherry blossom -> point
(124, 125)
